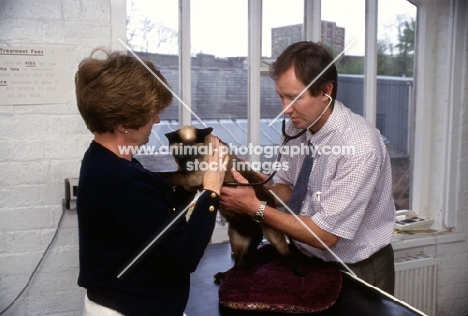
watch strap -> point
(259, 215)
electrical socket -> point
(71, 189)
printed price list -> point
(34, 75)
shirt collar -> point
(330, 125)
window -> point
(395, 111)
(153, 33)
(278, 32)
(219, 72)
(220, 80)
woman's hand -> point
(239, 199)
(214, 175)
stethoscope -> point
(286, 139)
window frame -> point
(435, 166)
(434, 195)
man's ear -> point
(327, 88)
(202, 133)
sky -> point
(220, 27)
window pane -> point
(152, 26)
(219, 69)
(152, 33)
(395, 64)
(340, 28)
(282, 23)
(219, 27)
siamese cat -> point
(244, 233)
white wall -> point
(40, 146)
(453, 268)
(441, 117)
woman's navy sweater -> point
(122, 208)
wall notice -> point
(34, 75)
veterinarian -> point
(123, 207)
(346, 198)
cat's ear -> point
(202, 133)
(173, 137)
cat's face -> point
(185, 143)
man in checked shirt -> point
(347, 205)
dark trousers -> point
(377, 270)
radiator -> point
(416, 282)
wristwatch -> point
(259, 215)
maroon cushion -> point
(269, 285)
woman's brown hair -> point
(118, 90)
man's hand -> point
(239, 199)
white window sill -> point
(405, 241)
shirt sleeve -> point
(345, 201)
